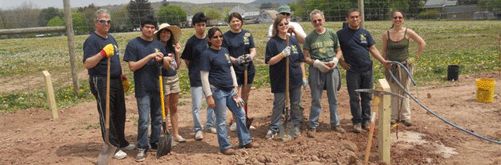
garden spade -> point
(165, 141)
(286, 128)
(108, 149)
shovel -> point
(248, 121)
(108, 149)
(286, 128)
(165, 141)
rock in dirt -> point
(261, 159)
(315, 158)
(428, 95)
(350, 146)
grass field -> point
(473, 45)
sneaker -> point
(366, 125)
(270, 135)
(212, 130)
(297, 132)
(406, 123)
(141, 155)
(312, 133)
(229, 151)
(129, 147)
(338, 129)
(199, 135)
(120, 155)
(179, 139)
(357, 128)
(233, 127)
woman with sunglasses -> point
(396, 48)
(219, 84)
(240, 45)
(276, 52)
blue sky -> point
(10, 4)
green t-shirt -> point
(322, 46)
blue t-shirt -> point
(355, 46)
(277, 72)
(192, 50)
(217, 63)
(239, 44)
(167, 71)
(145, 78)
(93, 45)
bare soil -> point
(31, 137)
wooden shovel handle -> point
(107, 113)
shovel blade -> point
(164, 145)
(106, 153)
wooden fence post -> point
(384, 122)
(69, 33)
(50, 94)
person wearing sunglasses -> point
(220, 86)
(322, 51)
(294, 28)
(356, 44)
(396, 48)
(97, 48)
(276, 52)
(240, 44)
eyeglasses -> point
(104, 21)
(317, 21)
(398, 17)
(216, 37)
(283, 24)
(286, 14)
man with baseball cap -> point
(294, 27)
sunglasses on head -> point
(283, 24)
(104, 21)
(219, 36)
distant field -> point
(474, 45)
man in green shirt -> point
(322, 51)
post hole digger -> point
(165, 141)
(108, 149)
(286, 128)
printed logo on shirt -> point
(363, 38)
(227, 57)
(157, 50)
(246, 38)
(294, 49)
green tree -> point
(120, 21)
(171, 14)
(47, 14)
(138, 9)
(198, 8)
(56, 21)
(79, 23)
(213, 14)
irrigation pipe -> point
(432, 112)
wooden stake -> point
(384, 122)
(50, 94)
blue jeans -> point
(318, 82)
(148, 107)
(225, 99)
(197, 94)
(363, 80)
(278, 107)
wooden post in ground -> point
(50, 94)
(384, 122)
(69, 33)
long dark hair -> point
(170, 42)
(211, 33)
(393, 14)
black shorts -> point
(241, 77)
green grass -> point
(473, 45)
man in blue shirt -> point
(97, 48)
(356, 43)
(144, 55)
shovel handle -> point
(107, 113)
(287, 98)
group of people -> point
(221, 70)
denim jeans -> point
(363, 80)
(197, 94)
(148, 108)
(318, 82)
(225, 99)
(278, 107)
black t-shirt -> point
(145, 78)
(217, 63)
(355, 46)
(168, 71)
(239, 44)
(93, 45)
(277, 72)
(192, 50)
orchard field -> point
(29, 136)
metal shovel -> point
(286, 128)
(108, 149)
(165, 141)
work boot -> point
(357, 128)
(141, 155)
(250, 145)
(366, 125)
(229, 151)
(338, 129)
(312, 133)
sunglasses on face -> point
(104, 21)
(216, 37)
(398, 17)
(286, 14)
(283, 24)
